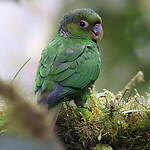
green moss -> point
(121, 121)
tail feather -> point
(53, 102)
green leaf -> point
(103, 147)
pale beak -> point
(97, 31)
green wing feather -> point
(73, 63)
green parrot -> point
(70, 64)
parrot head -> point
(82, 23)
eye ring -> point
(83, 24)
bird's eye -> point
(83, 24)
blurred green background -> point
(125, 46)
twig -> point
(20, 70)
(139, 77)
